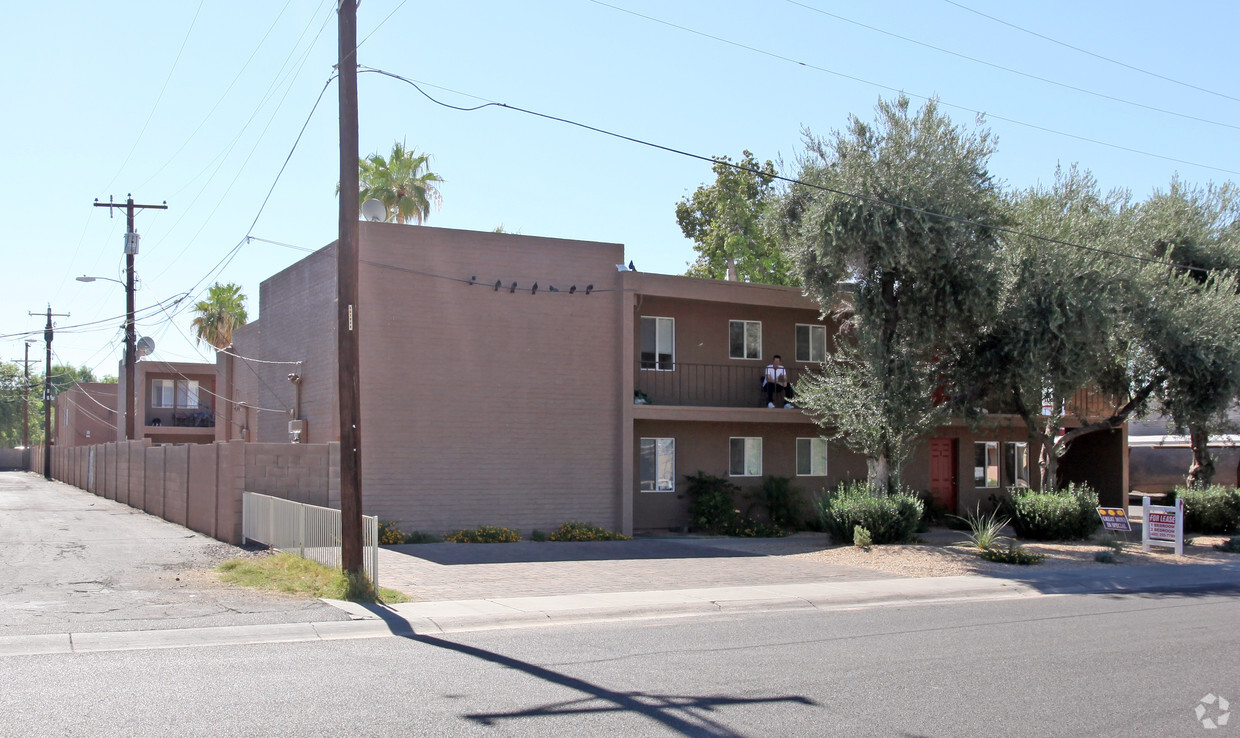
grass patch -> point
(284, 572)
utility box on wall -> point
(297, 431)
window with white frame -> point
(658, 343)
(658, 465)
(1016, 464)
(180, 394)
(811, 343)
(811, 457)
(163, 393)
(745, 457)
(986, 464)
(745, 339)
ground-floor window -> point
(658, 465)
(811, 457)
(986, 464)
(745, 457)
(1016, 464)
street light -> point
(130, 409)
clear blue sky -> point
(198, 103)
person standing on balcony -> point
(776, 379)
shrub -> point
(711, 503)
(575, 531)
(389, 534)
(984, 529)
(1211, 510)
(861, 537)
(538, 535)
(745, 527)
(781, 501)
(1060, 515)
(483, 534)
(418, 536)
(890, 518)
(1013, 554)
(1105, 557)
(1231, 545)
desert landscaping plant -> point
(1231, 545)
(890, 518)
(985, 530)
(781, 501)
(577, 531)
(712, 508)
(1069, 514)
(861, 538)
(1013, 554)
(483, 534)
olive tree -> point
(901, 210)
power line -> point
(791, 180)
(889, 88)
(1010, 70)
(1093, 54)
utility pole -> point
(47, 394)
(26, 405)
(131, 250)
(346, 300)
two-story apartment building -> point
(175, 404)
(523, 381)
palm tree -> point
(401, 183)
(219, 315)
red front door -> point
(943, 471)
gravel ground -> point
(940, 556)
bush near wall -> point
(1067, 514)
(889, 518)
(578, 531)
(483, 534)
(712, 508)
(1211, 510)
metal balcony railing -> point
(707, 385)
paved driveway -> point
(74, 562)
(458, 571)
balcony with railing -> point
(705, 385)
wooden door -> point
(943, 472)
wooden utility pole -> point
(131, 250)
(26, 405)
(346, 300)
(47, 394)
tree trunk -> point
(879, 472)
(1201, 473)
(1048, 461)
(732, 276)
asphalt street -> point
(1071, 665)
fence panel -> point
(309, 531)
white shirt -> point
(776, 373)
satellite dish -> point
(145, 346)
(374, 211)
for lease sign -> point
(1162, 526)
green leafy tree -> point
(216, 317)
(725, 222)
(1059, 321)
(65, 377)
(918, 281)
(401, 182)
(1194, 335)
(14, 394)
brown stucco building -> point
(488, 400)
(175, 401)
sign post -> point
(1163, 526)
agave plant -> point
(984, 529)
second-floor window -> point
(181, 394)
(811, 343)
(658, 343)
(745, 339)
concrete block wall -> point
(199, 486)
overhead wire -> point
(791, 180)
(862, 80)
(1095, 55)
(1027, 75)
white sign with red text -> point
(1163, 525)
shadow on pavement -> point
(1179, 579)
(681, 714)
